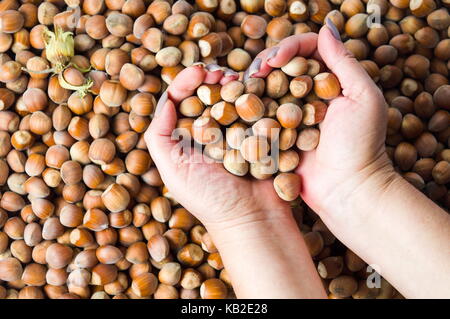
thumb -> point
(158, 136)
(355, 82)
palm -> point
(353, 131)
(222, 192)
(202, 187)
(352, 137)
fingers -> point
(278, 56)
(355, 82)
(169, 154)
(229, 75)
(224, 80)
(303, 45)
(159, 134)
(186, 82)
(213, 77)
(218, 74)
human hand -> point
(245, 217)
(349, 181)
(217, 198)
(351, 148)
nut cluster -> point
(253, 126)
(83, 210)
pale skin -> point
(348, 180)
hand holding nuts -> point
(84, 211)
(259, 145)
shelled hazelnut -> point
(213, 289)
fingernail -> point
(200, 64)
(229, 72)
(272, 52)
(245, 76)
(334, 31)
(214, 67)
(162, 101)
(252, 69)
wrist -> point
(251, 226)
(360, 190)
(273, 249)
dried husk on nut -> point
(60, 48)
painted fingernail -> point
(332, 27)
(252, 69)
(272, 52)
(229, 72)
(213, 67)
(162, 101)
(245, 76)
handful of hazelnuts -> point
(258, 127)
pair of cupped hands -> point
(350, 151)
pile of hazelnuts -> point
(258, 125)
(83, 210)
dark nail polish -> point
(252, 69)
(272, 52)
(162, 101)
(334, 31)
